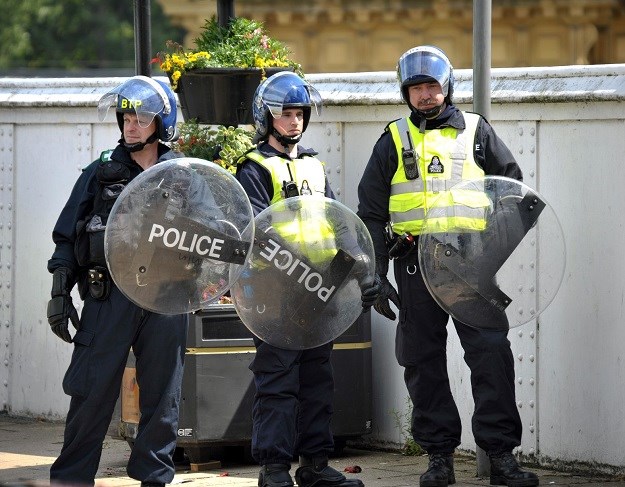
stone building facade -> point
(369, 35)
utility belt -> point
(400, 246)
(99, 282)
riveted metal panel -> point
(7, 161)
(521, 138)
(45, 174)
(327, 139)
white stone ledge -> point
(510, 85)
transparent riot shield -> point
(179, 235)
(301, 286)
(492, 253)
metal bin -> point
(218, 387)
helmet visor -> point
(139, 96)
(419, 64)
(286, 89)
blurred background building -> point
(75, 38)
(369, 35)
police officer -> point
(110, 324)
(414, 162)
(294, 388)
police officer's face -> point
(426, 96)
(134, 132)
(291, 122)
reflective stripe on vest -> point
(411, 200)
(315, 241)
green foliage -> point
(403, 421)
(222, 145)
(14, 34)
(75, 34)
(243, 43)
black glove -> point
(387, 291)
(60, 307)
(370, 293)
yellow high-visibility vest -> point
(444, 159)
(315, 241)
(307, 173)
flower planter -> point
(220, 96)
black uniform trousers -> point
(420, 347)
(108, 330)
(293, 403)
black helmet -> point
(284, 89)
(149, 99)
(422, 64)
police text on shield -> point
(201, 245)
(286, 262)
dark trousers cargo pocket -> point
(76, 381)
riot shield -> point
(301, 286)
(492, 253)
(179, 235)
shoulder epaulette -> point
(253, 155)
(106, 155)
(386, 129)
(470, 114)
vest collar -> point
(268, 151)
(451, 117)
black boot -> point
(316, 472)
(275, 475)
(504, 470)
(440, 472)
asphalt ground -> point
(29, 446)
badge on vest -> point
(435, 166)
(305, 188)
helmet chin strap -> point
(285, 140)
(136, 147)
(425, 115)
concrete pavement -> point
(29, 446)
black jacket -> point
(374, 190)
(80, 204)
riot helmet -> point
(149, 99)
(284, 89)
(423, 64)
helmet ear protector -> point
(147, 98)
(280, 91)
(423, 64)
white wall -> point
(566, 127)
